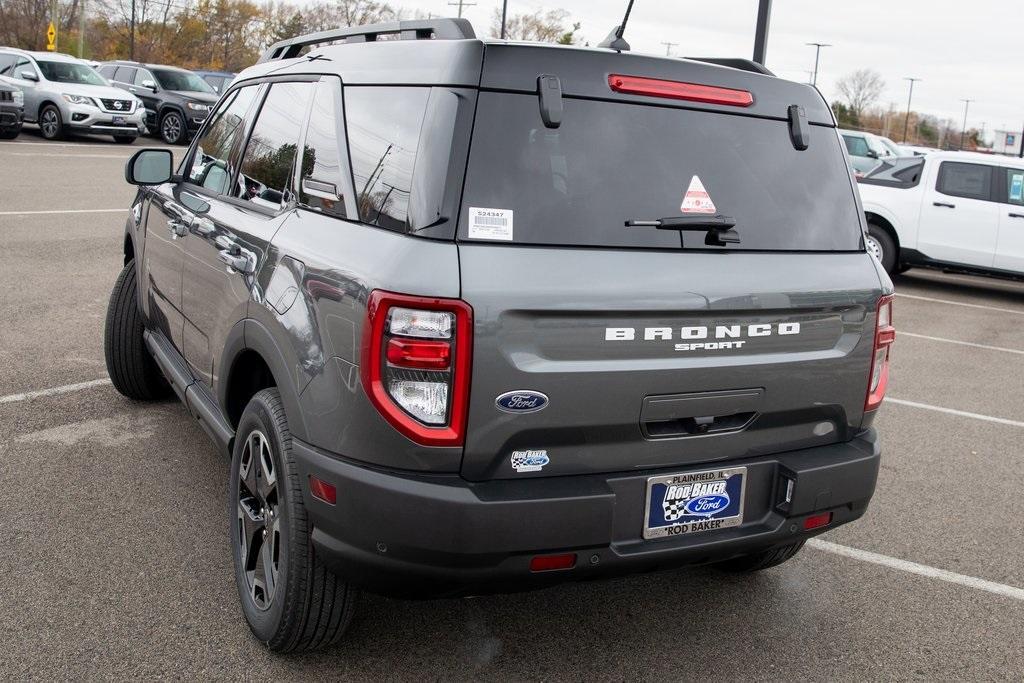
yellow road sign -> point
(51, 37)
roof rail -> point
(735, 63)
(415, 29)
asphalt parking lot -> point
(116, 560)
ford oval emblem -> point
(521, 401)
(707, 505)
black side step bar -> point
(200, 404)
(414, 29)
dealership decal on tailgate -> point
(694, 501)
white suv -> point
(65, 94)
(954, 210)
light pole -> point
(963, 131)
(668, 47)
(504, 13)
(817, 55)
(906, 121)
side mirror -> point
(28, 75)
(872, 154)
(149, 84)
(149, 167)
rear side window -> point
(971, 181)
(383, 127)
(856, 145)
(610, 162)
(324, 165)
(210, 163)
(268, 165)
(107, 71)
(903, 173)
(125, 74)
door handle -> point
(1015, 215)
(203, 227)
(948, 206)
(239, 262)
(178, 228)
(227, 245)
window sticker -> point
(490, 224)
(697, 199)
(1017, 187)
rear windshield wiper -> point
(719, 228)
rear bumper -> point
(400, 533)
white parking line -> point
(919, 569)
(78, 145)
(960, 303)
(69, 156)
(53, 391)
(953, 411)
(901, 333)
(32, 213)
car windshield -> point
(70, 72)
(181, 80)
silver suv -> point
(65, 94)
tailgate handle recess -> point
(706, 412)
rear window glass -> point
(971, 181)
(612, 162)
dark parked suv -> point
(477, 316)
(12, 111)
(177, 101)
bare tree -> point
(860, 89)
(360, 12)
(548, 26)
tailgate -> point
(657, 358)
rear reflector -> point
(547, 563)
(321, 490)
(677, 90)
(816, 521)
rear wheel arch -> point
(129, 249)
(255, 362)
(885, 224)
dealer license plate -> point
(118, 120)
(694, 501)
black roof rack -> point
(735, 63)
(416, 29)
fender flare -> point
(252, 335)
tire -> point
(51, 124)
(762, 560)
(132, 370)
(304, 606)
(172, 128)
(882, 246)
(124, 139)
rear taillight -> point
(885, 335)
(416, 364)
(678, 90)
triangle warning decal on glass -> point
(697, 199)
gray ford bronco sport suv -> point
(475, 316)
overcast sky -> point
(960, 49)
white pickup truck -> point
(953, 210)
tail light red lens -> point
(885, 335)
(416, 361)
(678, 90)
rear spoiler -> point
(416, 29)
